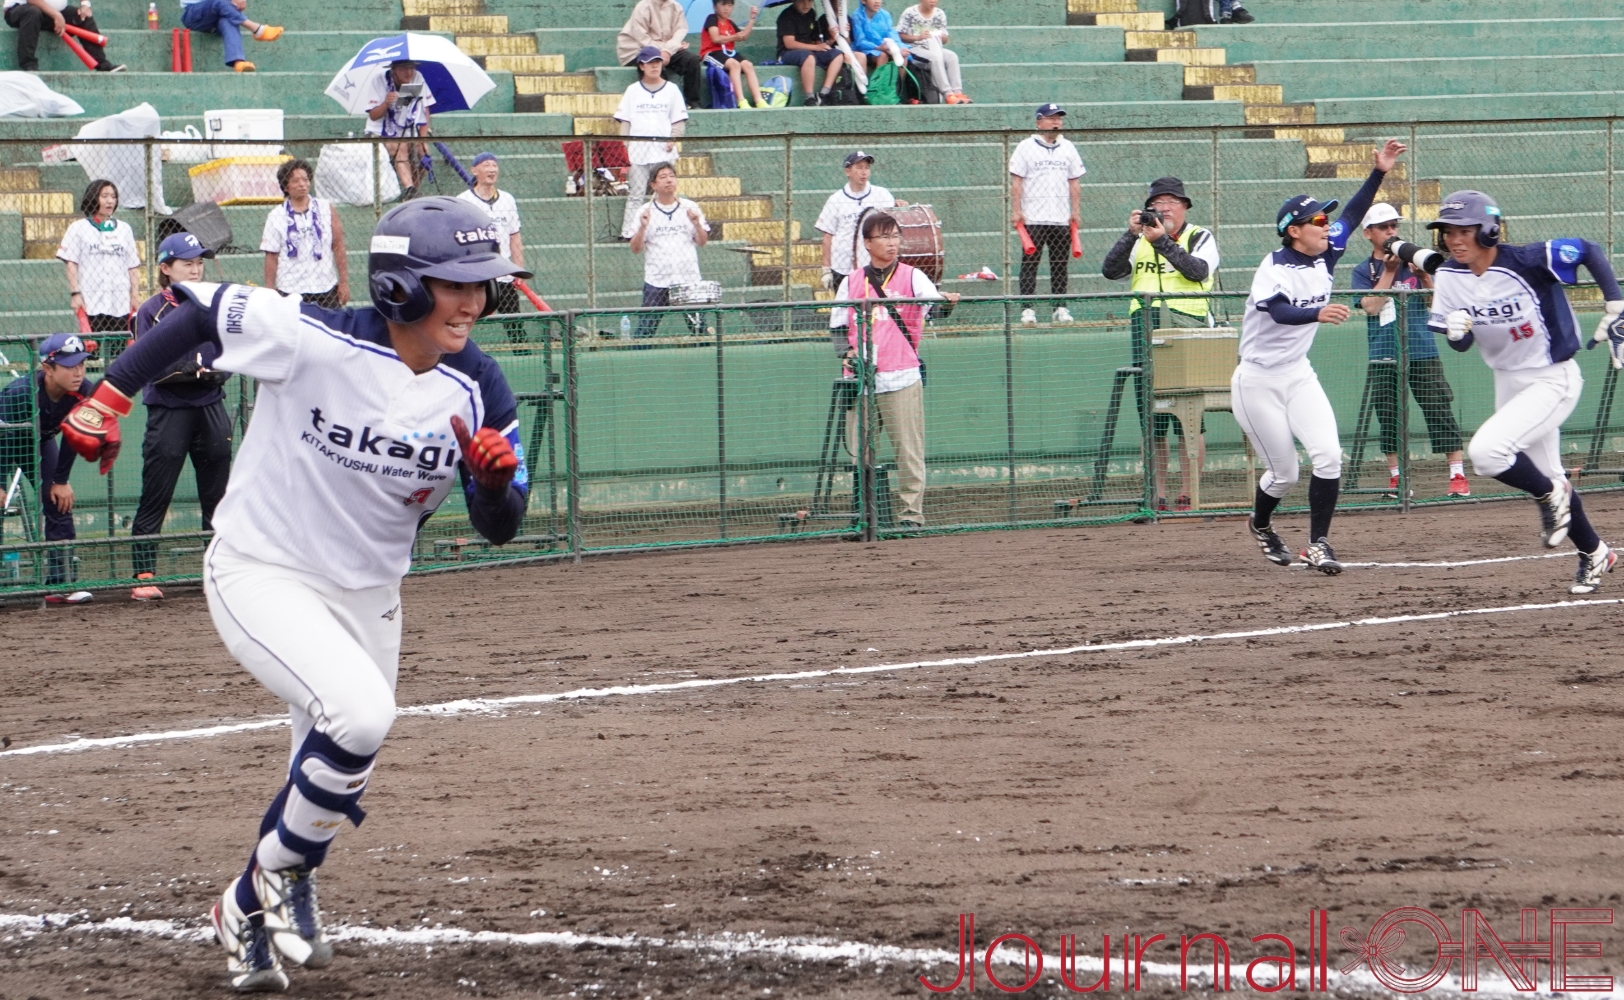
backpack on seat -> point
(844, 90)
(882, 85)
(720, 86)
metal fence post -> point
(377, 179)
(147, 217)
(721, 433)
(789, 212)
(867, 503)
(572, 472)
(1403, 333)
(1003, 180)
(1216, 235)
(1009, 407)
(1610, 123)
(591, 268)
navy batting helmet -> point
(433, 238)
(1471, 208)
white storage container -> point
(244, 123)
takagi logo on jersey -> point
(426, 457)
(1505, 311)
(487, 234)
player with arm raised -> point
(1508, 300)
(360, 429)
(1275, 393)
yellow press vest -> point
(1153, 273)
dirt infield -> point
(1227, 786)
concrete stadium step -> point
(1128, 21)
(1336, 11)
(1280, 114)
(1213, 76)
(1467, 108)
(529, 84)
(428, 8)
(466, 24)
(377, 16)
(1249, 93)
(1421, 38)
(611, 16)
(764, 233)
(1317, 79)
(533, 63)
(497, 45)
(148, 52)
(1193, 57)
(1142, 46)
(582, 105)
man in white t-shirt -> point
(398, 102)
(504, 212)
(652, 107)
(29, 16)
(670, 230)
(838, 220)
(1045, 185)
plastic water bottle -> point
(625, 327)
(152, 17)
(11, 566)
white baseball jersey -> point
(1048, 172)
(304, 242)
(504, 211)
(651, 113)
(670, 253)
(105, 257)
(1520, 316)
(397, 120)
(839, 220)
(349, 451)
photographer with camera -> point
(1385, 270)
(1162, 253)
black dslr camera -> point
(1149, 217)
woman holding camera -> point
(1275, 394)
(1508, 300)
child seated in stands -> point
(874, 37)
(717, 43)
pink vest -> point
(894, 350)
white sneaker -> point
(251, 962)
(292, 915)
(1062, 315)
(1591, 566)
(1029, 317)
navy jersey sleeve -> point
(1564, 256)
(14, 405)
(496, 515)
(1351, 216)
(180, 333)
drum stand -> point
(1598, 433)
(832, 462)
(1361, 429)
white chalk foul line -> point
(1446, 564)
(464, 706)
(724, 945)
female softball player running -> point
(360, 424)
(1274, 391)
(1509, 301)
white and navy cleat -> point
(251, 962)
(1555, 513)
(1319, 555)
(293, 916)
(1591, 567)
(1269, 541)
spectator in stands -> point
(104, 270)
(1381, 272)
(804, 40)
(1163, 253)
(663, 25)
(650, 107)
(225, 18)
(398, 107)
(838, 220)
(303, 242)
(186, 416)
(1231, 12)
(59, 386)
(670, 231)
(874, 37)
(1045, 173)
(924, 26)
(718, 42)
(504, 212)
(896, 332)
(29, 16)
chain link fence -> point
(721, 412)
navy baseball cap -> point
(648, 54)
(65, 349)
(482, 157)
(1299, 210)
(1051, 111)
(858, 156)
(182, 246)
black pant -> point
(649, 323)
(173, 433)
(329, 299)
(1432, 393)
(17, 451)
(1058, 240)
(100, 323)
(28, 20)
(685, 64)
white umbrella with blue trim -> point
(456, 80)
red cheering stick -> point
(1027, 246)
(78, 50)
(1076, 243)
(89, 36)
(535, 300)
(84, 320)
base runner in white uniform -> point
(360, 431)
(1508, 300)
(1274, 391)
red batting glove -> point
(91, 428)
(488, 456)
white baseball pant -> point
(1529, 407)
(1273, 406)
